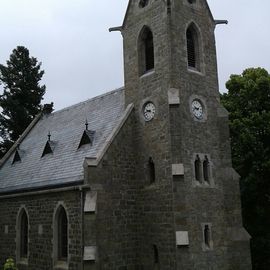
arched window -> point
(197, 167)
(22, 235)
(207, 236)
(193, 50)
(60, 235)
(156, 255)
(143, 3)
(146, 51)
(206, 171)
(152, 171)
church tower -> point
(188, 202)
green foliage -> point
(10, 265)
(22, 95)
(248, 102)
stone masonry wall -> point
(40, 209)
(156, 233)
(116, 220)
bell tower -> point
(189, 213)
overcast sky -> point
(82, 59)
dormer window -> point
(47, 149)
(17, 157)
(87, 138)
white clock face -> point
(197, 109)
(149, 110)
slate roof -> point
(65, 165)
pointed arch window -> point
(193, 50)
(197, 167)
(206, 171)
(207, 243)
(60, 236)
(143, 3)
(206, 232)
(156, 255)
(151, 170)
(146, 51)
(22, 236)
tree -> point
(21, 99)
(248, 103)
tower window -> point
(206, 235)
(203, 171)
(152, 172)
(143, 3)
(193, 50)
(206, 172)
(207, 243)
(146, 51)
(156, 256)
(197, 165)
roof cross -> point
(49, 136)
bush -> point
(10, 265)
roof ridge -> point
(90, 99)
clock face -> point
(197, 109)
(149, 110)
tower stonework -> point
(190, 215)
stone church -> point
(139, 178)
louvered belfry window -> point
(191, 48)
(149, 51)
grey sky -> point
(82, 59)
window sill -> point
(61, 265)
(23, 261)
(147, 73)
(195, 71)
(203, 184)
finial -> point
(49, 136)
(86, 124)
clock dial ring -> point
(149, 110)
(197, 109)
